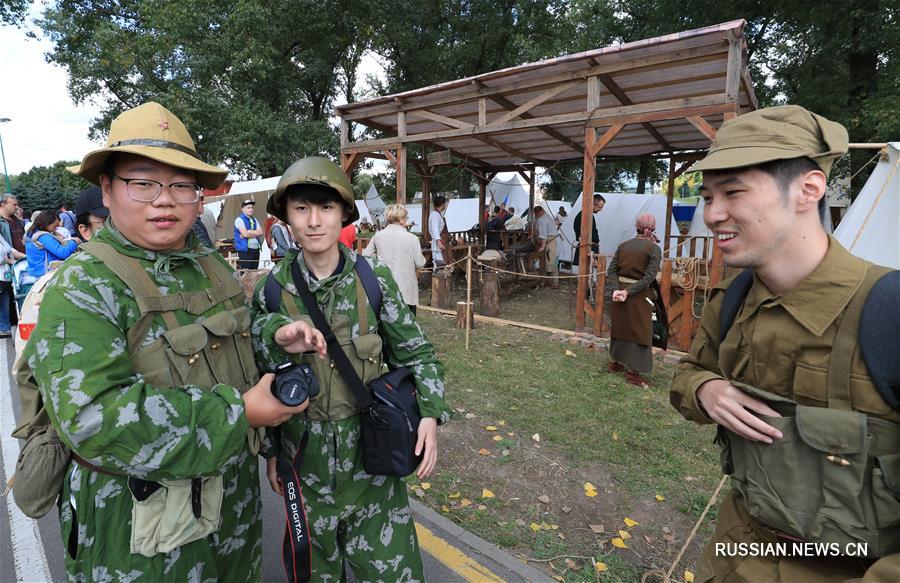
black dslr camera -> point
(294, 383)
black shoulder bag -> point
(389, 421)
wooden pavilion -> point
(660, 97)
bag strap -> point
(370, 284)
(735, 294)
(296, 551)
(343, 364)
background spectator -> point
(401, 251)
(43, 244)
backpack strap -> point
(735, 294)
(370, 284)
(272, 294)
(845, 343)
(878, 326)
(225, 288)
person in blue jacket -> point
(43, 245)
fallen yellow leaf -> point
(624, 534)
(482, 507)
(629, 523)
(558, 578)
(498, 438)
(688, 577)
(454, 495)
(485, 493)
(501, 423)
(619, 543)
(484, 451)
(445, 509)
(425, 485)
(601, 567)
(511, 434)
(465, 502)
(615, 436)
(491, 428)
(536, 437)
(660, 498)
(534, 526)
(590, 493)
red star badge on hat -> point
(164, 125)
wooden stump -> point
(440, 289)
(461, 314)
(490, 291)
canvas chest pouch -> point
(846, 462)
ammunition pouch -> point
(833, 477)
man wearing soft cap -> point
(776, 364)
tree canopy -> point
(47, 187)
(256, 81)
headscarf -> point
(646, 225)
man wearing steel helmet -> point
(143, 359)
(809, 439)
(352, 515)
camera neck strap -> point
(338, 356)
(296, 552)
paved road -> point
(32, 550)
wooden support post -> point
(440, 288)
(345, 132)
(401, 174)
(469, 312)
(665, 284)
(670, 195)
(482, 189)
(426, 203)
(600, 298)
(490, 290)
(587, 215)
(717, 266)
(462, 310)
(683, 335)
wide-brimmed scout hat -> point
(776, 133)
(152, 131)
(318, 172)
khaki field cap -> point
(776, 133)
(152, 131)
(317, 172)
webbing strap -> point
(288, 300)
(130, 271)
(223, 280)
(845, 343)
(362, 308)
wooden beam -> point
(605, 139)
(447, 121)
(587, 203)
(426, 206)
(460, 155)
(702, 125)
(734, 71)
(510, 150)
(349, 162)
(482, 188)
(670, 197)
(534, 102)
(593, 93)
(620, 94)
(401, 174)
(390, 156)
(638, 113)
(482, 111)
(506, 103)
(358, 112)
(684, 167)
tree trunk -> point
(461, 314)
(642, 177)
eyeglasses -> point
(144, 190)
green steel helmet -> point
(316, 171)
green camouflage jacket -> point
(103, 409)
(404, 340)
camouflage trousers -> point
(353, 516)
(96, 532)
(734, 525)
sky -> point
(45, 125)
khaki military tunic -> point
(784, 348)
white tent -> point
(615, 224)
(869, 229)
(513, 192)
(376, 207)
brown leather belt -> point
(88, 465)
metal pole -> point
(3, 155)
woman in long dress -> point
(401, 251)
(632, 270)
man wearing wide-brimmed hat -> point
(809, 435)
(142, 355)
